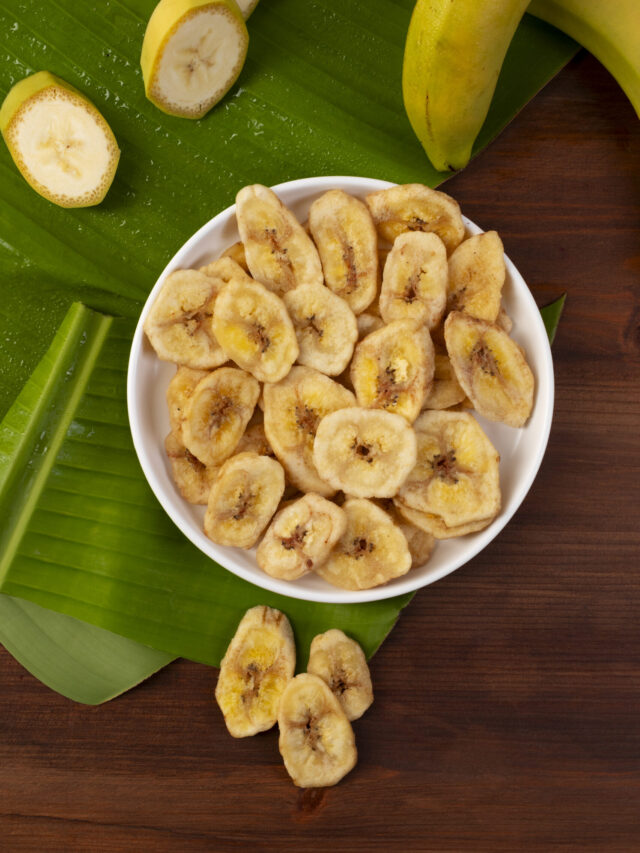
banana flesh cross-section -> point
(316, 741)
(340, 662)
(192, 53)
(393, 368)
(414, 207)
(491, 368)
(59, 141)
(279, 252)
(243, 498)
(254, 329)
(258, 665)
(372, 550)
(345, 235)
(300, 537)
(326, 328)
(218, 412)
(293, 408)
(179, 322)
(455, 480)
(364, 452)
(476, 275)
(414, 281)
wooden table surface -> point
(507, 711)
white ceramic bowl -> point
(521, 450)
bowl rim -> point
(409, 582)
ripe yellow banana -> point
(452, 59)
(610, 31)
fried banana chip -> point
(236, 253)
(191, 476)
(433, 526)
(293, 408)
(243, 498)
(364, 452)
(414, 281)
(368, 323)
(255, 671)
(414, 207)
(476, 274)
(326, 328)
(491, 368)
(393, 369)
(300, 537)
(340, 662)
(345, 235)
(254, 330)
(180, 388)
(372, 550)
(218, 412)
(456, 476)
(278, 251)
(445, 391)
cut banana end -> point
(59, 141)
(192, 53)
(300, 537)
(316, 742)
(255, 670)
(340, 662)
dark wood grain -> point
(507, 712)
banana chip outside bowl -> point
(521, 450)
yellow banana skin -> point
(453, 55)
(608, 30)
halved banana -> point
(414, 281)
(491, 368)
(340, 662)
(279, 253)
(218, 412)
(433, 526)
(293, 408)
(326, 327)
(368, 323)
(414, 207)
(365, 452)
(476, 275)
(300, 537)
(243, 498)
(371, 551)
(316, 741)
(191, 476)
(445, 391)
(179, 322)
(258, 665)
(180, 388)
(192, 53)
(254, 330)
(456, 478)
(393, 368)
(345, 235)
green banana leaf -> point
(320, 94)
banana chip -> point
(414, 207)
(217, 413)
(455, 479)
(340, 663)
(365, 452)
(445, 391)
(243, 498)
(326, 327)
(180, 388)
(178, 325)
(300, 537)
(192, 477)
(434, 526)
(491, 369)
(345, 235)
(414, 281)
(254, 330)
(255, 671)
(293, 408)
(393, 369)
(368, 323)
(476, 274)
(316, 739)
(278, 252)
(371, 551)
(237, 254)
